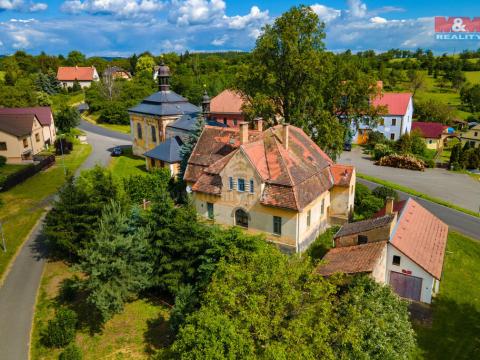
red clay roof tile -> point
(228, 102)
(396, 103)
(71, 73)
(430, 130)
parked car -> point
(117, 151)
(347, 146)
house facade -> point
(21, 137)
(472, 136)
(404, 247)
(85, 75)
(277, 182)
(394, 123)
(159, 117)
(434, 134)
(44, 116)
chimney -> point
(243, 133)
(259, 123)
(389, 206)
(285, 135)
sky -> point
(124, 27)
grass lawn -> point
(60, 100)
(8, 169)
(127, 164)
(455, 330)
(138, 332)
(24, 203)
(93, 118)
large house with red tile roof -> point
(394, 123)
(275, 181)
(44, 116)
(403, 245)
(226, 108)
(85, 75)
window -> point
(322, 209)
(3, 146)
(430, 141)
(475, 133)
(25, 143)
(210, 210)
(225, 121)
(277, 225)
(309, 215)
(241, 218)
(392, 136)
(152, 163)
(362, 239)
(394, 122)
(252, 186)
(37, 137)
(154, 134)
(396, 260)
(230, 182)
(139, 130)
(234, 122)
(241, 185)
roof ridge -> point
(288, 173)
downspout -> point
(298, 233)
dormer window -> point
(241, 185)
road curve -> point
(95, 129)
(18, 292)
(456, 220)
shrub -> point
(61, 329)
(370, 205)
(381, 150)
(69, 289)
(3, 160)
(114, 113)
(71, 352)
(374, 138)
(361, 191)
(322, 244)
(383, 192)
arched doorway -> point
(241, 218)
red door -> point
(406, 286)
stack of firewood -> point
(402, 162)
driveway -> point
(458, 189)
(18, 293)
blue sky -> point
(121, 27)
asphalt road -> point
(456, 220)
(18, 292)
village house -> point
(472, 136)
(115, 72)
(85, 75)
(226, 108)
(44, 116)
(160, 124)
(21, 137)
(434, 134)
(276, 181)
(403, 246)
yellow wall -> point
(140, 146)
(15, 145)
(472, 135)
(374, 235)
(342, 198)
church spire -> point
(205, 102)
(163, 77)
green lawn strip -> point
(23, 204)
(8, 169)
(136, 333)
(416, 193)
(127, 164)
(93, 118)
(455, 330)
(59, 100)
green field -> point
(9, 169)
(24, 204)
(455, 330)
(2, 75)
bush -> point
(114, 113)
(374, 138)
(381, 150)
(71, 352)
(3, 160)
(63, 146)
(69, 289)
(402, 162)
(370, 205)
(361, 192)
(322, 244)
(383, 192)
(61, 329)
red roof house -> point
(431, 130)
(226, 108)
(395, 103)
(83, 74)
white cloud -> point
(220, 40)
(195, 12)
(256, 16)
(378, 20)
(356, 8)
(23, 21)
(325, 13)
(21, 5)
(122, 8)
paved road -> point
(456, 220)
(18, 293)
(91, 128)
(458, 189)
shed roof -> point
(168, 151)
(365, 225)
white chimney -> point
(243, 133)
(259, 123)
(285, 135)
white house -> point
(395, 122)
(67, 75)
(403, 246)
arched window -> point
(241, 218)
(139, 130)
(154, 134)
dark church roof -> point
(185, 122)
(164, 103)
(168, 151)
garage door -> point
(406, 286)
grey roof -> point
(17, 124)
(168, 151)
(185, 122)
(164, 103)
(365, 225)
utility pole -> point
(63, 157)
